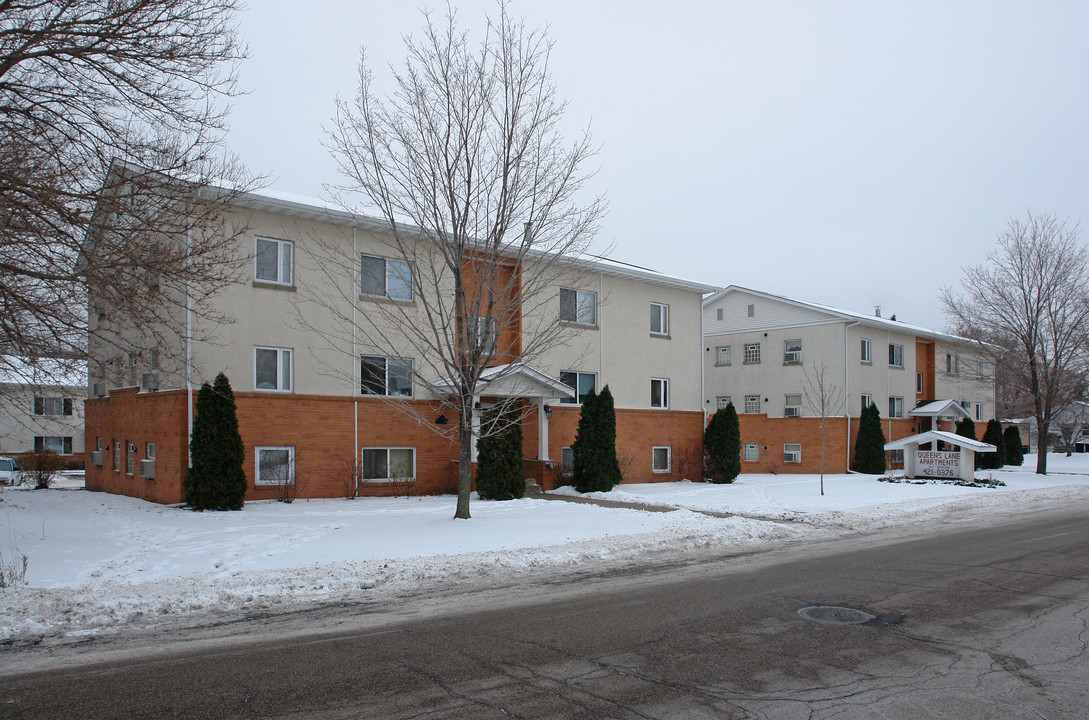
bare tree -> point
(480, 196)
(823, 398)
(1034, 291)
(1071, 424)
(112, 114)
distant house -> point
(758, 348)
(38, 412)
(307, 410)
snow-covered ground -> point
(96, 561)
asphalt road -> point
(995, 624)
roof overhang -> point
(515, 380)
(942, 435)
(940, 409)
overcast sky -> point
(848, 153)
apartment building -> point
(315, 396)
(764, 352)
(41, 407)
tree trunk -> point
(465, 464)
(1041, 447)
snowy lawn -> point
(97, 560)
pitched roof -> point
(944, 436)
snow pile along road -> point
(97, 561)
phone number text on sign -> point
(931, 463)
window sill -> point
(896, 367)
(273, 391)
(386, 299)
(661, 336)
(790, 363)
(723, 364)
(866, 362)
(581, 326)
(269, 285)
(751, 362)
(653, 407)
(661, 472)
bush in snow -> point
(870, 442)
(722, 445)
(40, 467)
(216, 481)
(967, 428)
(993, 436)
(1015, 454)
(596, 466)
(499, 471)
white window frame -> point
(130, 457)
(567, 466)
(662, 316)
(952, 364)
(750, 452)
(751, 310)
(585, 300)
(388, 450)
(485, 327)
(919, 383)
(718, 315)
(60, 441)
(979, 412)
(578, 383)
(753, 401)
(752, 353)
(281, 380)
(867, 400)
(284, 275)
(896, 355)
(52, 406)
(866, 351)
(792, 456)
(116, 455)
(722, 401)
(387, 362)
(149, 451)
(654, 467)
(722, 355)
(792, 409)
(896, 406)
(792, 356)
(663, 393)
(979, 368)
(257, 479)
(390, 268)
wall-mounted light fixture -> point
(441, 420)
(548, 412)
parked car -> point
(9, 471)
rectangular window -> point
(385, 376)
(752, 452)
(792, 352)
(272, 368)
(52, 406)
(578, 306)
(866, 357)
(722, 401)
(659, 319)
(919, 383)
(567, 462)
(130, 457)
(752, 404)
(660, 459)
(117, 456)
(752, 353)
(722, 355)
(952, 364)
(98, 444)
(659, 393)
(59, 445)
(866, 400)
(793, 406)
(979, 368)
(751, 310)
(582, 383)
(979, 411)
(274, 465)
(896, 407)
(718, 314)
(792, 452)
(273, 261)
(896, 355)
(966, 404)
(485, 334)
(149, 451)
(383, 464)
(382, 277)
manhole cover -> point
(835, 615)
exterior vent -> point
(96, 457)
(147, 469)
(792, 358)
(98, 389)
(793, 411)
(149, 382)
(792, 457)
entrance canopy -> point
(932, 463)
(949, 409)
(516, 380)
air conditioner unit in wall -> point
(149, 382)
(147, 469)
(793, 411)
(98, 389)
(792, 457)
(793, 357)
(96, 457)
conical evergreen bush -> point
(216, 481)
(993, 435)
(500, 474)
(722, 445)
(596, 467)
(1015, 453)
(870, 442)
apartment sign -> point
(931, 463)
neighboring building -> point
(37, 413)
(760, 347)
(310, 409)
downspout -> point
(355, 351)
(847, 390)
(703, 366)
(189, 345)
(600, 340)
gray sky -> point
(847, 153)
